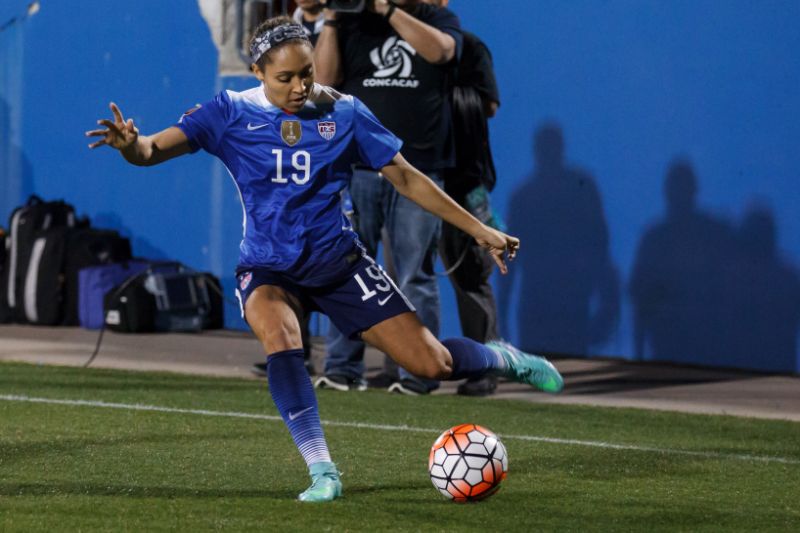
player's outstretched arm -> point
(141, 150)
(418, 188)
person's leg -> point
(390, 373)
(272, 315)
(413, 346)
(305, 336)
(413, 237)
(469, 268)
(344, 361)
(260, 369)
(367, 303)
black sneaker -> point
(381, 381)
(259, 369)
(483, 386)
(340, 383)
(409, 387)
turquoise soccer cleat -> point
(325, 484)
(528, 368)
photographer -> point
(309, 15)
(475, 99)
(399, 58)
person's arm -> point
(140, 150)
(418, 188)
(327, 56)
(435, 46)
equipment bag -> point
(95, 282)
(165, 297)
(88, 247)
(43, 294)
(25, 224)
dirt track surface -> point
(613, 383)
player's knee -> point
(437, 364)
(279, 339)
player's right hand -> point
(499, 245)
(118, 134)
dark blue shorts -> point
(364, 296)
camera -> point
(346, 6)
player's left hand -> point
(499, 245)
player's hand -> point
(118, 134)
(499, 245)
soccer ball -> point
(467, 463)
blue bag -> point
(95, 282)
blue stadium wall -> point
(647, 155)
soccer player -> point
(289, 145)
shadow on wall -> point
(706, 292)
(569, 289)
(16, 173)
(142, 248)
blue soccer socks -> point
(472, 359)
(293, 394)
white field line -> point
(387, 427)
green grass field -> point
(67, 467)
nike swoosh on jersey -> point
(250, 126)
(381, 302)
(292, 416)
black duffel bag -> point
(165, 297)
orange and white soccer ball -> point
(467, 463)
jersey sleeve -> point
(204, 124)
(376, 145)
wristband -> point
(390, 12)
(332, 23)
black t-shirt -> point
(476, 69)
(408, 95)
(310, 28)
(475, 86)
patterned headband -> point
(271, 38)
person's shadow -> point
(567, 288)
(766, 301)
(681, 280)
(16, 172)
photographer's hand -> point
(381, 7)
(327, 13)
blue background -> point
(630, 86)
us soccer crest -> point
(327, 129)
(291, 132)
(245, 280)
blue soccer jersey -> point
(289, 170)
